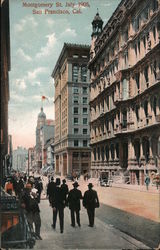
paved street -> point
(102, 236)
(126, 219)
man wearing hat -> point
(74, 198)
(64, 187)
(51, 189)
(58, 204)
(90, 202)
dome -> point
(42, 114)
(97, 17)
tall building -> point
(46, 133)
(20, 157)
(41, 121)
(72, 134)
(5, 68)
(125, 91)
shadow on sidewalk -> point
(144, 230)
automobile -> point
(105, 182)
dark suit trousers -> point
(59, 210)
(91, 214)
(73, 211)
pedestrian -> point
(34, 208)
(73, 200)
(64, 187)
(90, 202)
(39, 186)
(147, 181)
(51, 189)
(58, 205)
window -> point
(84, 143)
(84, 111)
(98, 153)
(76, 120)
(75, 73)
(76, 143)
(85, 121)
(94, 152)
(112, 152)
(137, 80)
(76, 130)
(75, 111)
(146, 74)
(155, 105)
(139, 46)
(85, 100)
(137, 113)
(85, 131)
(75, 90)
(75, 99)
(154, 33)
(144, 42)
(124, 117)
(102, 153)
(84, 73)
(107, 153)
(135, 49)
(146, 108)
(85, 90)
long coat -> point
(90, 199)
(58, 199)
(74, 198)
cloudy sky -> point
(36, 42)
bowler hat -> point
(64, 180)
(75, 184)
(52, 178)
(90, 185)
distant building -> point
(10, 152)
(48, 152)
(72, 133)
(31, 159)
(41, 121)
(125, 91)
(20, 158)
(5, 68)
(46, 133)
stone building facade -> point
(5, 68)
(125, 91)
(72, 135)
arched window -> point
(112, 152)
(94, 152)
(98, 153)
(146, 108)
(155, 105)
(107, 153)
(102, 153)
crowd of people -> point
(28, 192)
(60, 197)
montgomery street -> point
(127, 227)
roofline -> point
(65, 47)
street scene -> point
(80, 125)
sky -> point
(36, 41)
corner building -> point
(125, 91)
(72, 134)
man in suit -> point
(90, 202)
(74, 198)
(64, 187)
(58, 204)
(50, 189)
